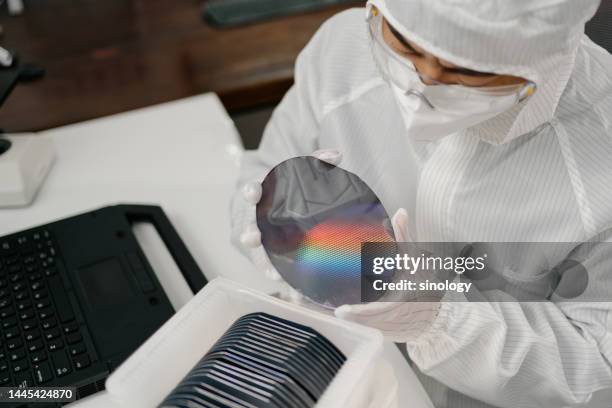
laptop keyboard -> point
(41, 338)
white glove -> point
(251, 237)
(399, 321)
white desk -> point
(182, 155)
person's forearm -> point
(512, 355)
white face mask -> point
(428, 124)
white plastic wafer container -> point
(151, 373)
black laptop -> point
(77, 296)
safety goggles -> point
(401, 71)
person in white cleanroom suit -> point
(477, 121)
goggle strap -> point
(528, 90)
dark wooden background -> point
(109, 56)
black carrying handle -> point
(179, 252)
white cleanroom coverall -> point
(542, 171)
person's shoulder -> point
(347, 27)
(338, 58)
(597, 53)
(592, 73)
(588, 94)
(341, 41)
(584, 130)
